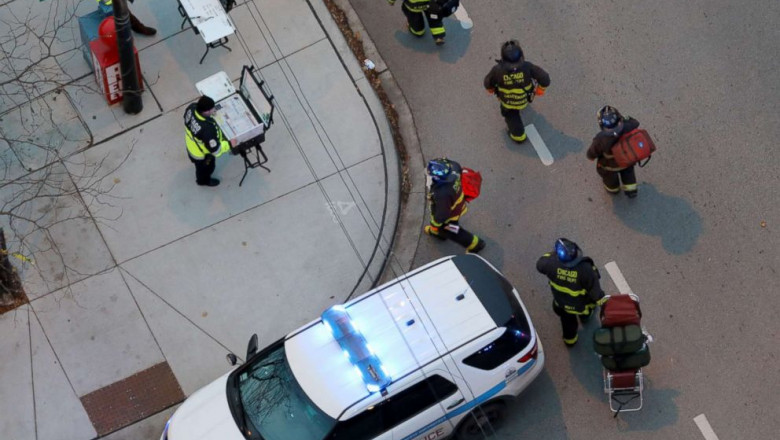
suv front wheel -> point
(481, 422)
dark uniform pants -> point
(612, 179)
(416, 22)
(203, 169)
(462, 237)
(514, 123)
(569, 323)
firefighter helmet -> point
(511, 52)
(566, 250)
(609, 117)
(439, 169)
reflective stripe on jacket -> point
(417, 5)
(202, 135)
(575, 286)
(514, 82)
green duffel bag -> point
(618, 340)
(627, 361)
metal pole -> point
(131, 89)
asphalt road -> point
(700, 243)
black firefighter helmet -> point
(511, 52)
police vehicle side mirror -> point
(232, 359)
(252, 347)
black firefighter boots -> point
(480, 245)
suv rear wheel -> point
(481, 422)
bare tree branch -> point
(48, 187)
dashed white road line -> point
(539, 145)
(617, 277)
(463, 17)
(704, 427)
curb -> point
(408, 230)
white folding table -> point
(208, 18)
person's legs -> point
(514, 124)
(138, 27)
(628, 177)
(416, 22)
(203, 170)
(610, 179)
(470, 241)
(437, 28)
(569, 325)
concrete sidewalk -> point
(157, 280)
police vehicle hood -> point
(205, 415)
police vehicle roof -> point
(408, 323)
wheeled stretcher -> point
(621, 343)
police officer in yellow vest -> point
(515, 81)
(205, 140)
(135, 23)
(574, 281)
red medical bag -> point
(472, 183)
(632, 148)
(620, 310)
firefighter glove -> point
(431, 230)
(391, 2)
(540, 90)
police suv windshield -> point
(273, 402)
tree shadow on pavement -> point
(457, 43)
(537, 410)
(557, 142)
(653, 213)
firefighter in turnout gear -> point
(613, 125)
(447, 205)
(515, 81)
(574, 281)
(434, 11)
(205, 140)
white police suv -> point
(433, 353)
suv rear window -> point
(395, 410)
(495, 293)
(508, 345)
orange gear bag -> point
(472, 183)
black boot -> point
(480, 245)
(139, 27)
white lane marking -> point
(539, 146)
(463, 17)
(617, 277)
(704, 427)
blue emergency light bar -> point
(356, 348)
